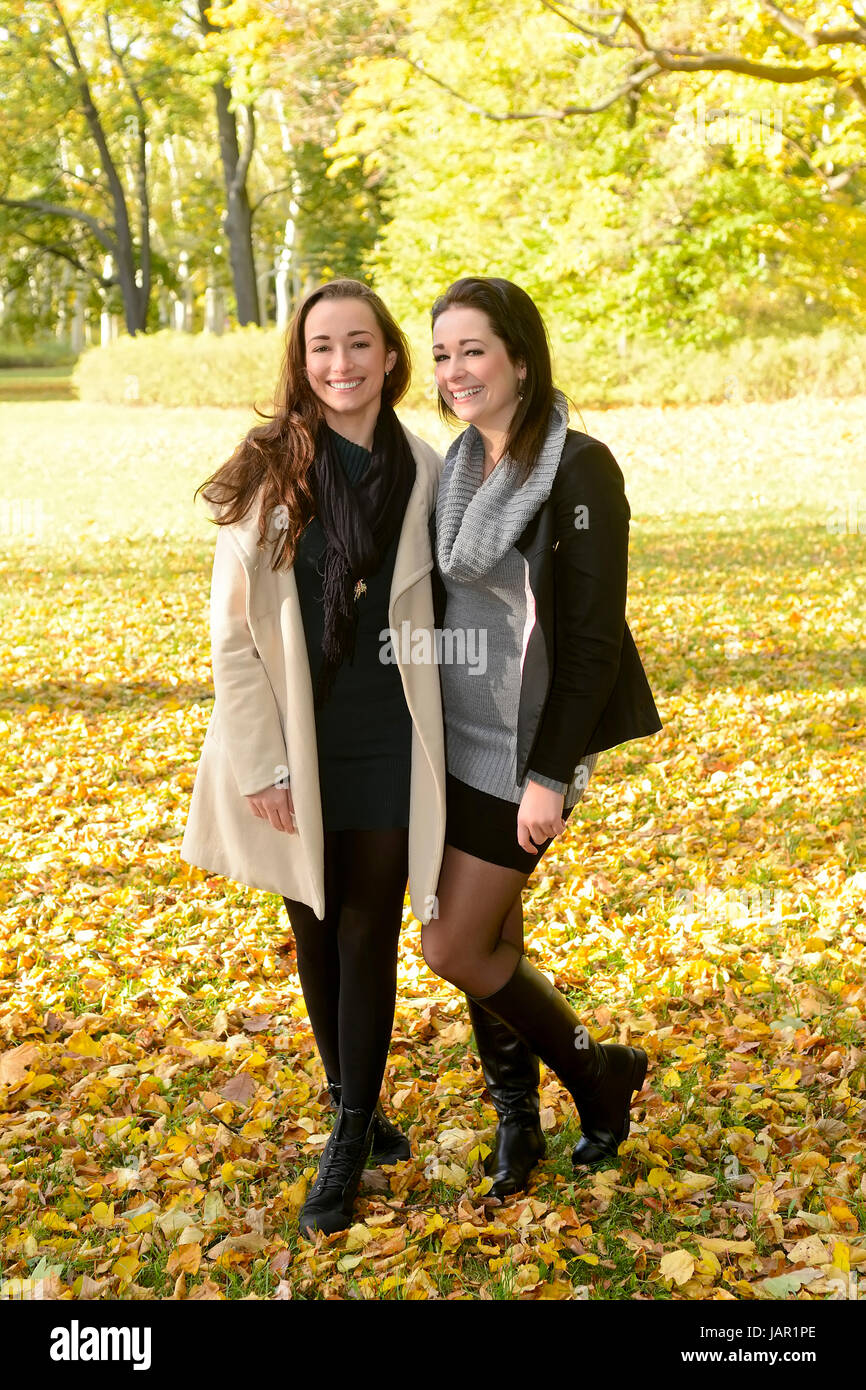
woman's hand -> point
(275, 804)
(539, 816)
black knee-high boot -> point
(511, 1075)
(601, 1078)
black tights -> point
(347, 963)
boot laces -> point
(337, 1163)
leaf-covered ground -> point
(161, 1102)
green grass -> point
(693, 463)
(36, 383)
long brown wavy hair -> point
(278, 455)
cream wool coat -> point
(263, 722)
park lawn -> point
(161, 1103)
(36, 383)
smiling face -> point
(346, 358)
(474, 374)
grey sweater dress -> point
(480, 705)
(493, 614)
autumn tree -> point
(81, 90)
(238, 39)
(662, 169)
(137, 139)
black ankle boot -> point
(511, 1076)
(329, 1205)
(601, 1079)
(390, 1145)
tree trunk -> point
(237, 221)
(135, 297)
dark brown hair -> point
(278, 455)
(515, 319)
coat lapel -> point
(413, 559)
(414, 541)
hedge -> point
(241, 367)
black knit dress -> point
(364, 728)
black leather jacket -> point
(583, 687)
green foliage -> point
(701, 213)
(62, 218)
(596, 369)
(767, 368)
(338, 219)
(286, 73)
(44, 352)
(711, 207)
(175, 369)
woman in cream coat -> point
(266, 790)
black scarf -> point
(359, 522)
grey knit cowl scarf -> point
(476, 523)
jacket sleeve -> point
(591, 523)
(248, 715)
(550, 782)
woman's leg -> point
(511, 1074)
(373, 873)
(465, 945)
(318, 957)
(374, 870)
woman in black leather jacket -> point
(531, 545)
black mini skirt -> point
(486, 826)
